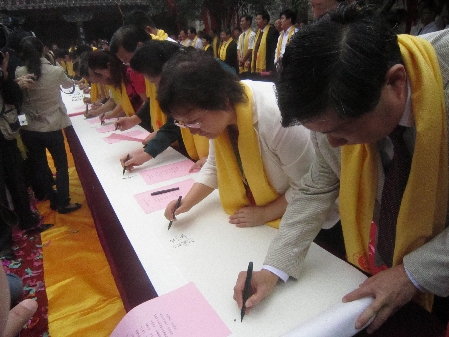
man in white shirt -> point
(288, 20)
(245, 43)
(195, 40)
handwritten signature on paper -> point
(182, 240)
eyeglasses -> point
(185, 125)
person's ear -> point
(396, 78)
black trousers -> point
(12, 177)
(37, 143)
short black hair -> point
(208, 38)
(128, 37)
(248, 18)
(264, 14)
(227, 31)
(192, 30)
(140, 19)
(194, 79)
(289, 14)
(337, 63)
(150, 58)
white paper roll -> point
(337, 321)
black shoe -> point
(69, 208)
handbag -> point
(9, 122)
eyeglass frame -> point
(187, 125)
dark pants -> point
(12, 177)
(37, 143)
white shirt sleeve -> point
(208, 174)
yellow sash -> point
(120, 96)
(162, 35)
(224, 48)
(281, 37)
(230, 185)
(244, 48)
(94, 92)
(196, 146)
(158, 118)
(259, 61)
(206, 47)
(215, 46)
(422, 214)
(194, 41)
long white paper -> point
(337, 321)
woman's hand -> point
(135, 160)
(249, 216)
(198, 165)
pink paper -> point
(167, 172)
(94, 120)
(73, 114)
(152, 203)
(106, 128)
(133, 136)
(182, 312)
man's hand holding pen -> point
(262, 284)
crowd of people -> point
(341, 140)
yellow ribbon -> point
(230, 186)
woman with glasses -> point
(255, 163)
(148, 60)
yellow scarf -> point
(423, 209)
(120, 96)
(206, 47)
(281, 37)
(224, 48)
(215, 46)
(94, 92)
(194, 41)
(161, 35)
(230, 186)
(158, 118)
(70, 70)
(196, 146)
(259, 61)
(244, 48)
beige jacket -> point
(42, 104)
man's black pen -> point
(87, 110)
(176, 207)
(124, 167)
(246, 290)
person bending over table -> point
(149, 60)
(127, 87)
(375, 103)
(250, 158)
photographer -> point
(11, 161)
